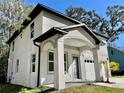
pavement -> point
(114, 82)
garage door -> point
(90, 71)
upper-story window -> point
(17, 65)
(112, 52)
(20, 35)
(13, 45)
(32, 30)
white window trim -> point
(50, 50)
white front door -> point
(76, 68)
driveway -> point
(115, 82)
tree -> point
(12, 14)
(113, 25)
(115, 20)
(114, 66)
(90, 18)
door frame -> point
(79, 69)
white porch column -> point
(96, 63)
(59, 78)
(83, 72)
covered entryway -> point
(72, 40)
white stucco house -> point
(55, 49)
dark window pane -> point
(32, 34)
(13, 45)
(32, 25)
(65, 57)
(65, 67)
(17, 65)
(21, 35)
(33, 58)
(32, 30)
(33, 67)
(112, 52)
(51, 56)
(51, 66)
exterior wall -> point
(50, 20)
(117, 56)
(24, 48)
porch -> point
(69, 55)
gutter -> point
(38, 73)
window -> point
(13, 45)
(65, 61)
(50, 61)
(21, 35)
(112, 52)
(32, 30)
(17, 65)
(33, 62)
(89, 61)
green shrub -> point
(114, 66)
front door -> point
(76, 67)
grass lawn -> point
(91, 89)
(7, 88)
(118, 76)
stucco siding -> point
(23, 50)
(50, 20)
(46, 77)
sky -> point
(99, 6)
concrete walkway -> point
(115, 83)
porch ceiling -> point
(74, 43)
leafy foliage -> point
(90, 18)
(3, 62)
(114, 66)
(113, 25)
(12, 14)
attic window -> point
(32, 30)
(21, 35)
(13, 45)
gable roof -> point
(34, 13)
(97, 41)
(63, 30)
(53, 31)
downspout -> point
(38, 73)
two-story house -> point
(55, 49)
